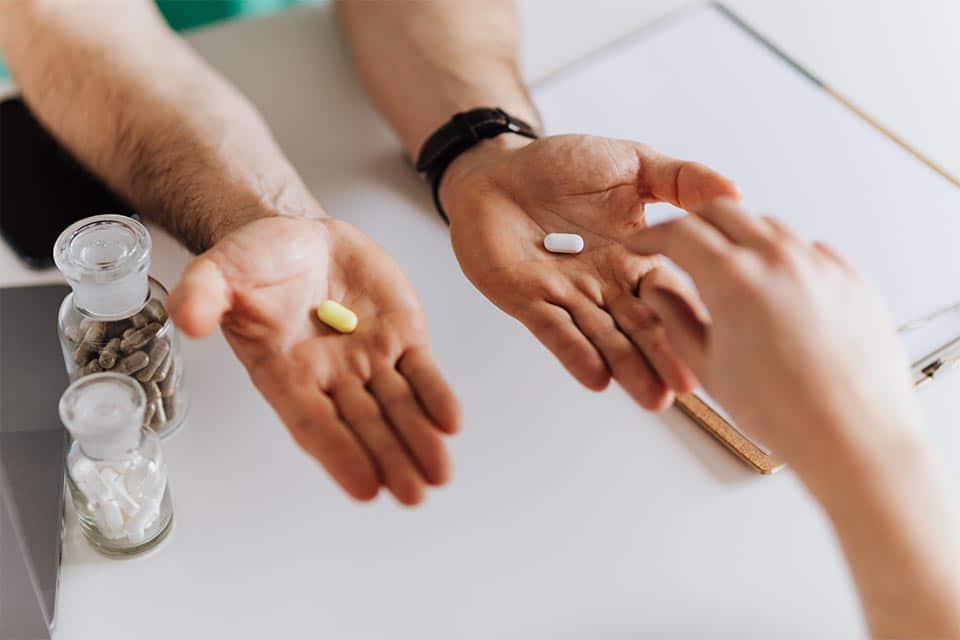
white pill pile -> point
(563, 243)
(124, 496)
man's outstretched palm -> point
(505, 196)
(371, 405)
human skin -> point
(141, 110)
(503, 195)
(802, 353)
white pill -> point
(154, 485)
(120, 467)
(107, 478)
(145, 517)
(133, 481)
(136, 536)
(127, 504)
(563, 243)
(83, 468)
(110, 520)
(85, 474)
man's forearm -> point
(135, 105)
(424, 60)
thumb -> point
(682, 183)
(685, 320)
(200, 299)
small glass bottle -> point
(115, 319)
(115, 468)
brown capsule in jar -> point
(116, 328)
(161, 374)
(84, 352)
(139, 321)
(127, 332)
(108, 357)
(95, 332)
(152, 391)
(140, 337)
(148, 413)
(158, 352)
(159, 415)
(91, 367)
(170, 407)
(90, 343)
(155, 312)
(133, 363)
(73, 334)
(168, 386)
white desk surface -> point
(571, 514)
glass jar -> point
(115, 319)
(116, 471)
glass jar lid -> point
(104, 413)
(105, 259)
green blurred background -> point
(189, 14)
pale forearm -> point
(135, 105)
(896, 517)
(424, 60)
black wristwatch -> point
(464, 131)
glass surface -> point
(105, 260)
(91, 346)
(104, 413)
(102, 248)
(123, 504)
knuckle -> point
(728, 263)
(394, 402)
(778, 255)
(618, 363)
(740, 272)
(366, 417)
(566, 343)
(645, 149)
(358, 361)
(391, 454)
(643, 319)
(619, 359)
(555, 289)
(685, 224)
(384, 344)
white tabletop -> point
(571, 514)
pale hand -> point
(371, 406)
(506, 194)
(792, 342)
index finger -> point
(692, 243)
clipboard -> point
(712, 41)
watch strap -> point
(462, 132)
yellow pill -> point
(335, 315)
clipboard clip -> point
(946, 356)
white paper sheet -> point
(701, 87)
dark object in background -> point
(43, 190)
(32, 448)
